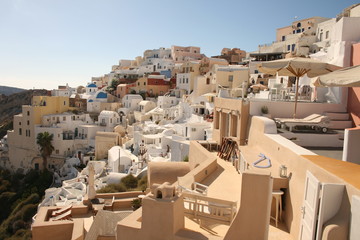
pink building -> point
(182, 54)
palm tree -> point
(44, 140)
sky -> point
(44, 44)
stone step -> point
(338, 115)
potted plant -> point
(136, 203)
(265, 112)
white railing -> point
(209, 209)
(198, 189)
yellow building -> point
(23, 150)
(140, 85)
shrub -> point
(186, 159)
(112, 188)
(142, 184)
(130, 181)
(136, 203)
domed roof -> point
(101, 95)
(91, 85)
(90, 100)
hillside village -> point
(213, 136)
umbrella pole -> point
(296, 95)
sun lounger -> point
(317, 122)
(63, 216)
(61, 211)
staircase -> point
(339, 120)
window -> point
(20, 123)
(294, 32)
(193, 129)
(64, 118)
(28, 113)
(144, 83)
(138, 84)
(28, 122)
(327, 35)
(302, 29)
(293, 47)
(288, 47)
(283, 38)
(321, 36)
(207, 81)
(187, 80)
(20, 131)
(298, 25)
(64, 103)
(57, 151)
(231, 78)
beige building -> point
(294, 40)
(182, 54)
(230, 120)
(186, 77)
(233, 78)
(23, 150)
(105, 141)
(206, 64)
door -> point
(309, 208)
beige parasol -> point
(296, 67)
(346, 77)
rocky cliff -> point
(11, 105)
(10, 90)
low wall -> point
(204, 163)
(198, 154)
(282, 109)
(119, 195)
(61, 231)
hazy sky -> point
(46, 43)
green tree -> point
(44, 140)
(113, 85)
